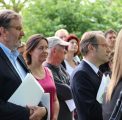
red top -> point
(49, 87)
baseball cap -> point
(53, 41)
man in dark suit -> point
(13, 69)
(85, 81)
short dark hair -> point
(6, 16)
(109, 32)
(31, 44)
(88, 38)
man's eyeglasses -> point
(103, 45)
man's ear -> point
(91, 47)
(2, 31)
(54, 50)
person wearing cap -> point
(64, 35)
(55, 57)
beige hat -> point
(56, 41)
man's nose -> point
(113, 39)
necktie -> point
(100, 74)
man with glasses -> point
(85, 79)
(13, 69)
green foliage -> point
(77, 16)
(49, 16)
(15, 5)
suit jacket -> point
(9, 82)
(84, 85)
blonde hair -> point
(117, 67)
(61, 30)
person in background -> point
(72, 50)
(85, 79)
(21, 48)
(110, 63)
(35, 54)
(55, 57)
(13, 69)
(115, 85)
(62, 33)
(110, 36)
(70, 62)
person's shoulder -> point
(83, 66)
(47, 70)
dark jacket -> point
(84, 85)
(9, 82)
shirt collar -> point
(8, 52)
(91, 65)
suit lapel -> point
(91, 72)
(88, 67)
(8, 63)
(22, 62)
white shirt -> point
(69, 68)
(91, 65)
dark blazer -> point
(84, 85)
(9, 82)
(109, 106)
